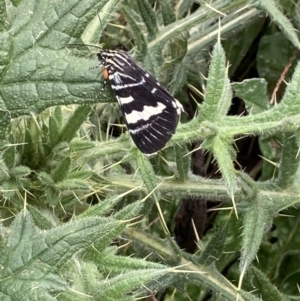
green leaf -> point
(129, 212)
(80, 174)
(4, 125)
(249, 188)
(258, 282)
(20, 171)
(178, 79)
(183, 8)
(215, 247)
(178, 70)
(3, 15)
(40, 219)
(53, 131)
(255, 220)
(218, 91)
(290, 103)
(283, 116)
(137, 33)
(71, 185)
(178, 49)
(270, 7)
(62, 170)
(147, 173)
(272, 60)
(289, 161)
(9, 154)
(171, 31)
(52, 196)
(43, 253)
(74, 122)
(94, 30)
(119, 264)
(183, 162)
(151, 64)
(113, 289)
(125, 215)
(149, 17)
(38, 70)
(225, 155)
(254, 93)
(58, 116)
(167, 11)
(83, 277)
(238, 42)
(286, 268)
(77, 145)
(271, 155)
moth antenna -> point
(89, 45)
(101, 24)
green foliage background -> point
(85, 215)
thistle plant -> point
(84, 214)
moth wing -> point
(149, 110)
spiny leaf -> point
(71, 185)
(58, 116)
(43, 253)
(183, 162)
(103, 208)
(178, 79)
(148, 16)
(225, 155)
(255, 220)
(147, 174)
(43, 222)
(61, 170)
(215, 247)
(53, 131)
(137, 33)
(113, 263)
(4, 126)
(279, 18)
(167, 12)
(114, 288)
(9, 154)
(218, 92)
(84, 278)
(74, 122)
(256, 280)
(289, 161)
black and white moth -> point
(151, 113)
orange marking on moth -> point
(105, 74)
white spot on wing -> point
(123, 57)
(153, 90)
(145, 114)
(124, 100)
(117, 78)
(110, 63)
(178, 106)
(119, 87)
(141, 128)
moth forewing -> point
(151, 113)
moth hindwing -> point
(151, 113)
